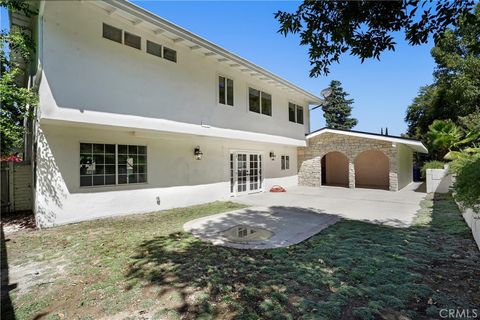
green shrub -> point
(467, 181)
(435, 164)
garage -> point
(371, 170)
(335, 169)
(357, 159)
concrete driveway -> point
(377, 206)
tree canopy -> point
(14, 98)
(337, 109)
(455, 92)
(365, 28)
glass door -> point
(255, 171)
(246, 176)
(242, 173)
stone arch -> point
(334, 169)
(372, 168)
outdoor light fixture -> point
(198, 153)
(272, 155)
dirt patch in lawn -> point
(18, 221)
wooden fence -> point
(16, 187)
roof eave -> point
(141, 13)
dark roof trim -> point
(363, 132)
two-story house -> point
(137, 114)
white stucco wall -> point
(84, 73)
(405, 165)
(472, 219)
(438, 180)
(174, 177)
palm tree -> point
(442, 136)
(446, 138)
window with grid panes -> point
(132, 164)
(97, 164)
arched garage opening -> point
(335, 169)
(371, 170)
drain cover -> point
(243, 233)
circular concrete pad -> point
(289, 226)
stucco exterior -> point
(366, 166)
(405, 165)
(94, 90)
(87, 77)
(175, 178)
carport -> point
(357, 159)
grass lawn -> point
(144, 266)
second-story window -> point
(154, 48)
(112, 33)
(132, 40)
(169, 54)
(295, 113)
(225, 90)
(259, 102)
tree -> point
(447, 140)
(365, 28)
(15, 99)
(423, 110)
(337, 109)
(470, 122)
(455, 92)
(442, 136)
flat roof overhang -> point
(152, 127)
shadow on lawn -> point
(350, 270)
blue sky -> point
(382, 89)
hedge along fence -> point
(440, 181)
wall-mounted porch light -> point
(197, 153)
(272, 155)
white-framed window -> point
(97, 164)
(169, 54)
(225, 90)
(132, 164)
(132, 40)
(295, 113)
(259, 102)
(112, 33)
(111, 164)
(285, 162)
(154, 48)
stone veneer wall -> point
(309, 158)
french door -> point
(246, 173)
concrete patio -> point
(288, 225)
(302, 212)
(395, 209)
